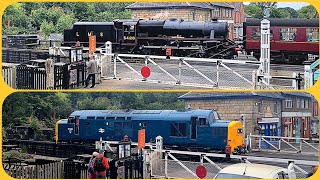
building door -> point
(193, 128)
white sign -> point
(101, 130)
(296, 114)
(268, 120)
(70, 130)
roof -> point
(231, 95)
(142, 114)
(237, 5)
(170, 5)
(253, 170)
(299, 94)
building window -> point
(288, 34)
(312, 34)
(178, 129)
(298, 103)
(218, 12)
(206, 17)
(288, 102)
(307, 104)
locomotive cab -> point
(126, 32)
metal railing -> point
(189, 71)
(165, 163)
(186, 71)
(283, 144)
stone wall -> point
(186, 14)
(232, 109)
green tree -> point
(47, 28)
(264, 5)
(308, 12)
(253, 10)
(65, 22)
(89, 103)
(280, 13)
(293, 13)
(54, 13)
(15, 17)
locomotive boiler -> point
(202, 129)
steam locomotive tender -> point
(191, 128)
(184, 38)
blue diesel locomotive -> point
(190, 128)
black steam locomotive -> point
(154, 37)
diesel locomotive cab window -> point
(288, 34)
(178, 129)
(203, 121)
(71, 120)
(312, 34)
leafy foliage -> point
(42, 110)
(46, 18)
(256, 9)
(308, 12)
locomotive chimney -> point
(214, 19)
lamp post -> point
(243, 121)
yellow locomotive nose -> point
(235, 135)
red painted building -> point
(296, 115)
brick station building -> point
(275, 114)
(296, 114)
(232, 13)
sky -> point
(294, 5)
